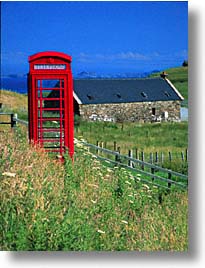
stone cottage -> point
(134, 100)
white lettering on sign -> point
(49, 67)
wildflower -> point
(93, 185)
(94, 201)
(95, 161)
(30, 166)
(100, 231)
(96, 168)
(9, 174)
(146, 186)
(125, 222)
(79, 145)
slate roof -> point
(98, 91)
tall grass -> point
(82, 205)
(14, 103)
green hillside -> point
(179, 77)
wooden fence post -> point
(115, 146)
(117, 157)
(13, 121)
(169, 177)
(105, 144)
(151, 158)
(130, 154)
(170, 156)
(162, 157)
(182, 155)
(186, 155)
(97, 144)
(142, 158)
(156, 157)
(152, 171)
(136, 153)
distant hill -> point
(179, 77)
(91, 75)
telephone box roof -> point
(50, 54)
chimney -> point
(163, 75)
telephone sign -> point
(49, 66)
(51, 102)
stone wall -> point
(133, 112)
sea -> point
(16, 84)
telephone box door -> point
(51, 111)
(51, 105)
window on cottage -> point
(144, 94)
(167, 93)
(119, 96)
(153, 111)
(90, 97)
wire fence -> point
(148, 172)
(151, 157)
(11, 119)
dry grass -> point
(82, 206)
(13, 101)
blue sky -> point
(104, 37)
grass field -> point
(15, 103)
(147, 138)
(82, 206)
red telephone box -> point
(51, 101)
